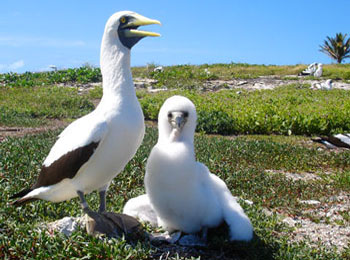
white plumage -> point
(106, 139)
(182, 192)
(310, 70)
(327, 85)
(334, 141)
(319, 71)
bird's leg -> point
(102, 207)
(103, 192)
(83, 202)
(204, 234)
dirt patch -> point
(260, 83)
(324, 222)
(266, 82)
(303, 176)
(22, 131)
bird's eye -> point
(185, 114)
(170, 115)
(123, 20)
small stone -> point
(66, 225)
(310, 202)
(155, 90)
(249, 202)
(289, 221)
(267, 212)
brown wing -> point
(66, 166)
(335, 141)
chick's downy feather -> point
(183, 193)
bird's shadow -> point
(219, 247)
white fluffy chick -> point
(183, 193)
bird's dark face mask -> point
(127, 30)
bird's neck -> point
(169, 136)
(115, 69)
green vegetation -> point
(240, 162)
(181, 76)
(78, 75)
(32, 106)
(192, 77)
(292, 109)
(254, 167)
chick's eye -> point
(123, 20)
(185, 114)
(169, 115)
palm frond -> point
(337, 48)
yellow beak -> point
(139, 20)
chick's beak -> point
(178, 120)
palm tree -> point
(337, 48)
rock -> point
(267, 212)
(107, 223)
(155, 90)
(66, 225)
(310, 202)
(289, 221)
(249, 202)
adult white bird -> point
(334, 141)
(92, 150)
(310, 70)
(182, 192)
(319, 71)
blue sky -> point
(67, 33)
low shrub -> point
(292, 109)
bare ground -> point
(22, 131)
(323, 221)
(263, 82)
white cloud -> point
(13, 66)
(16, 65)
(18, 41)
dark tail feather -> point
(21, 194)
(331, 142)
(317, 140)
(22, 201)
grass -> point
(240, 162)
(80, 75)
(180, 76)
(189, 75)
(292, 109)
(253, 166)
(33, 106)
